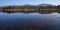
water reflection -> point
(29, 21)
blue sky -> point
(32, 2)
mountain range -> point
(31, 5)
(39, 5)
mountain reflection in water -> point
(30, 21)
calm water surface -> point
(29, 21)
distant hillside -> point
(46, 5)
(31, 5)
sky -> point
(31, 2)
